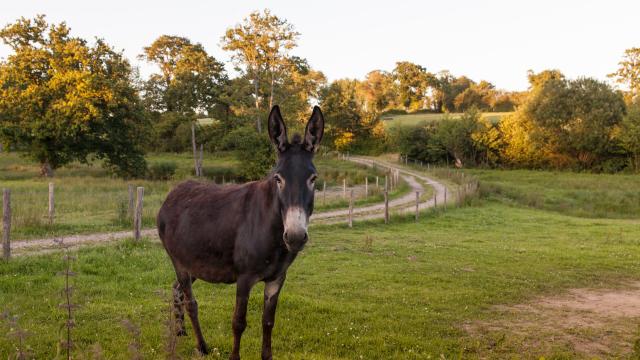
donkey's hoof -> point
(181, 332)
(203, 349)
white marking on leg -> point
(272, 288)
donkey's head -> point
(294, 175)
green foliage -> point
(628, 73)
(254, 152)
(630, 133)
(575, 119)
(63, 100)
(347, 124)
(162, 170)
(189, 78)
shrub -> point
(253, 150)
(164, 170)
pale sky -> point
(496, 41)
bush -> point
(253, 150)
(164, 170)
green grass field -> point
(391, 121)
(404, 294)
(87, 200)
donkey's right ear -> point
(277, 130)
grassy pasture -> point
(391, 121)
(88, 200)
(403, 294)
(576, 194)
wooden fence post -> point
(366, 187)
(386, 207)
(200, 160)
(195, 150)
(435, 201)
(131, 202)
(386, 200)
(351, 209)
(417, 204)
(377, 183)
(344, 188)
(445, 199)
(137, 222)
(6, 224)
(52, 206)
(324, 192)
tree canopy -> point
(62, 99)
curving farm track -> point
(405, 203)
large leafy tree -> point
(260, 47)
(62, 100)
(412, 81)
(347, 123)
(189, 81)
(378, 91)
(576, 119)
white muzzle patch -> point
(296, 221)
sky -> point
(489, 40)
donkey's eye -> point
(312, 181)
(278, 180)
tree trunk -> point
(45, 169)
(271, 92)
(255, 86)
(193, 143)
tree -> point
(261, 45)
(190, 80)
(630, 133)
(628, 73)
(412, 82)
(347, 123)
(62, 100)
(378, 91)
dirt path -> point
(585, 323)
(405, 203)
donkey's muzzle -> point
(295, 229)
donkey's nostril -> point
(284, 236)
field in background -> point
(391, 121)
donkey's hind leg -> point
(178, 309)
(184, 282)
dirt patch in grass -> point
(582, 323)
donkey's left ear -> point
(314, 130)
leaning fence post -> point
(6, 223)
(52, 207)
(417, 204)
(351, 209)
(131, 202)
(137, 221)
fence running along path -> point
(405, 204)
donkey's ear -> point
(277, 130)
(314, 130)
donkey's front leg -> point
(271, 292)
(244, 285)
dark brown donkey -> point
(243, 233)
